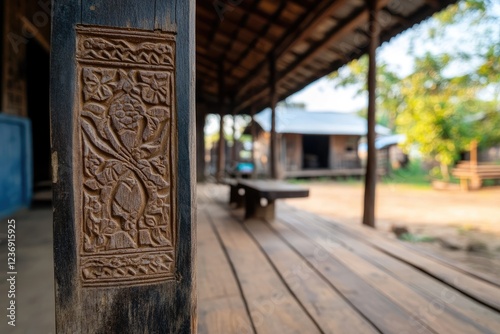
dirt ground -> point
(463, 226)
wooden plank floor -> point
(306, 274)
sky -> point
(322, 95)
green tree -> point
(451, 96)
(440, 113)
(389, 102)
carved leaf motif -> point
(155, 117)
(145, 166)
(92, 184)
(94, 108)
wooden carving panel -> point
(126, 114)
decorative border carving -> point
(125, 131)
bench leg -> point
(475, 183)
(253, 208)
(464, 184)
(235, 199)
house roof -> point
(385, 141)
(290, 120)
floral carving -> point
(105, 270)
(125, 138)
(98, 84)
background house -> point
(312, 143)
(390, 155)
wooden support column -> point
(123, 162)
(371, 166)
(233, 149)
(273, 100)
(253, 130)
(221, 159)
(200, 145)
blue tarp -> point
(16, 164)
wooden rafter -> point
(307, 24)
(339, 32)
(316, 41)
(266, 28)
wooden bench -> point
(471, 175)
(260, 196)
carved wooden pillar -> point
(122, 112)
(371, 166)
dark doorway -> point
(37, 79)
(315, 151)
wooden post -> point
(221, 161)
(124, 171)
(200, 145)
(273, 100)
(371, 166)
(233, 149)
(253, 129)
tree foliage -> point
(451, 96)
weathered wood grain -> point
(480, 290)
(122, 113)
(122, 13)
(273, 309)
(312, 290)
(461, 306)
(222, 307)
(367, 299)
(336, 274)
(417, 304)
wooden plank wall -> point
(293, 151)
(23, 21)
(14, 54)
(340, 157)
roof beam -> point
(254, 11)
(232, 24)
(301, 31)
(268, 26)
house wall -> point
(292, 145)
(24, 21)
(344, 152)
(262, 153)
(24, 74)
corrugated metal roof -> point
(300, 121)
